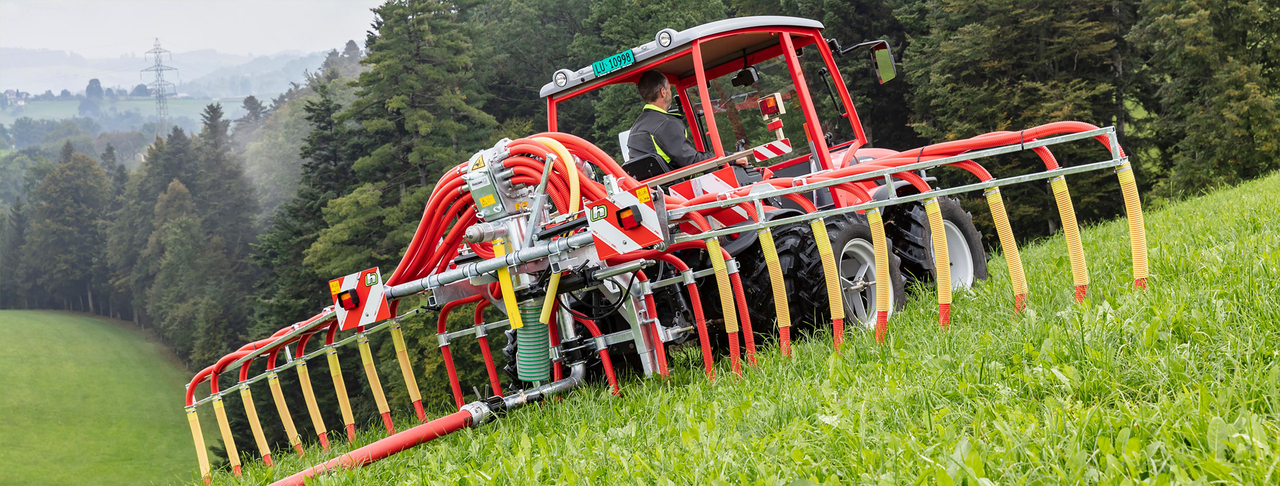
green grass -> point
(1176, 384)
(63, 109)
(87, 400)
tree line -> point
(226, 234)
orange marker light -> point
(628, 218)
(349, 299)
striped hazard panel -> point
(359, 299)
(627, 222)
(772, 149)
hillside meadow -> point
(1176, 384)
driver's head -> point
(654, 89)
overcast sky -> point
(108, 29)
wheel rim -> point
(960, 256)
(858, 282)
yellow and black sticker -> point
(487, 201)
(642, 194)
(479, 163)
(335, 286)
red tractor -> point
(592, 260)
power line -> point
(161, 86)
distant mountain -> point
(264, 76)
(201, 73)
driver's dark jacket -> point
(658, 132)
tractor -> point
(600, 265)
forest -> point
(217, 236)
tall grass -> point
(1176, 384)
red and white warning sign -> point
(627, 222)
(718, 182)
(772, 149)
(360, 299)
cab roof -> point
(713, 52)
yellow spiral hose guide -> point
(884, 285)
(224, 427)
(406, 369)
(201, 454)
(722, 283)
(283, 408)
(941, 259)
(251, 412)
(340, 388)
(770, 250)
(313, 409)
(371, 371)
(829, 269)
(1010, 246)
(1137, 230)
(1071, 230)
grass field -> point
(1177, 384)
(86, 400)
(63, 109)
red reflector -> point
(774, 125)
(628, 218)
(349, 299)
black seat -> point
(646, 167)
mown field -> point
(87, 400)
(63, 109)
(1177, 384)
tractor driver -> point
(658, 132)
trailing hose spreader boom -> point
(590, 262)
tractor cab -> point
(766, 88)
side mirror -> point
(885, 70)
(746, 77)
(880, 54)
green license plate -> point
(613, 63)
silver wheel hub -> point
(858, 282)
(960, 256)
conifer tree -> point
(66, 225)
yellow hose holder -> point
(722, 283)
(282, 408)
(406, 368)
(340, 389)
(228, 443)
(202, 455)
(508, 288)
(1071, 230)
(371, 371)
(251, 412)
(829, 269)
(941, 257)
(1010, 246)
(313, 408)
(782, 308)
(881, 247)
(1137, 230)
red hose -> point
(745, 316)
(651, 310)
(604, 354)
(484, 349)
(383, 448)
(441, 320)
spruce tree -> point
(66, 227)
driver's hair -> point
(651, 84)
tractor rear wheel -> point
(908, 228)
(805, 281)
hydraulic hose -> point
(442, 319)
(575, 201)
(695, 301)
(603, 351)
